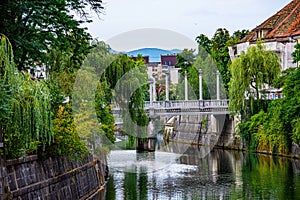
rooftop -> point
(284, 23)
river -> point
(201, 173)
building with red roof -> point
(279, 33)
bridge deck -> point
(181, 107)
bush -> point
(66, 139)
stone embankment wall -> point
(53, 178)
(186, 129)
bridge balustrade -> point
(187, 104)
(182, 106)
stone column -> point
(151, 91)
(154, 87)
(218, 85)
(167, 85)
(186, 92)
(200, 85)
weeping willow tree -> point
(91, 100)
(125, 78)
(250, 73)
(106, 80)
(6, 58)
(25, 113)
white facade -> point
(284, 51)
(158, 72)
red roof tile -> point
(284, 23)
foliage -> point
(123, 82)
(38, 27)
(273, 137)
(185, 59)
(126, 78)
(56, 95)
(66, 138)
(237, 36)
(296, 53)
(30, 121)
(209, 69)
(282, 79)
(93, 119)
(5, 99)
(217, 48)
(276, 129)
(6, 56)
(26, 121)
(291, 106)
(220, 53)
(204, 62)
(103, 111)
(94, 95)
(26, 124)
(250, 128)
(27, 114)
(249, 74)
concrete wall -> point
(218, 131)
(55, 178)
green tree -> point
(185, 58)
(217, 48)
(277, 127)
(26, 118)
(66, 139)
(38, 27)
(91, 99)
(6, 57)
(126, 79)
(249, 74)
(296, 53)
(291, 106)
(209, 69)
(119, 84)
(187, 61)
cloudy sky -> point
(188, 18)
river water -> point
(201, 173)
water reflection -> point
(219, 175)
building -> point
(169, 59)
(279, 33)
(158, 69)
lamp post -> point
(200, 85)
(167, 85)
(186, 87)
(150, 81)
(218, 85)
(154, 87)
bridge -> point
(190, 107)
(214, 109)
(183, 107)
